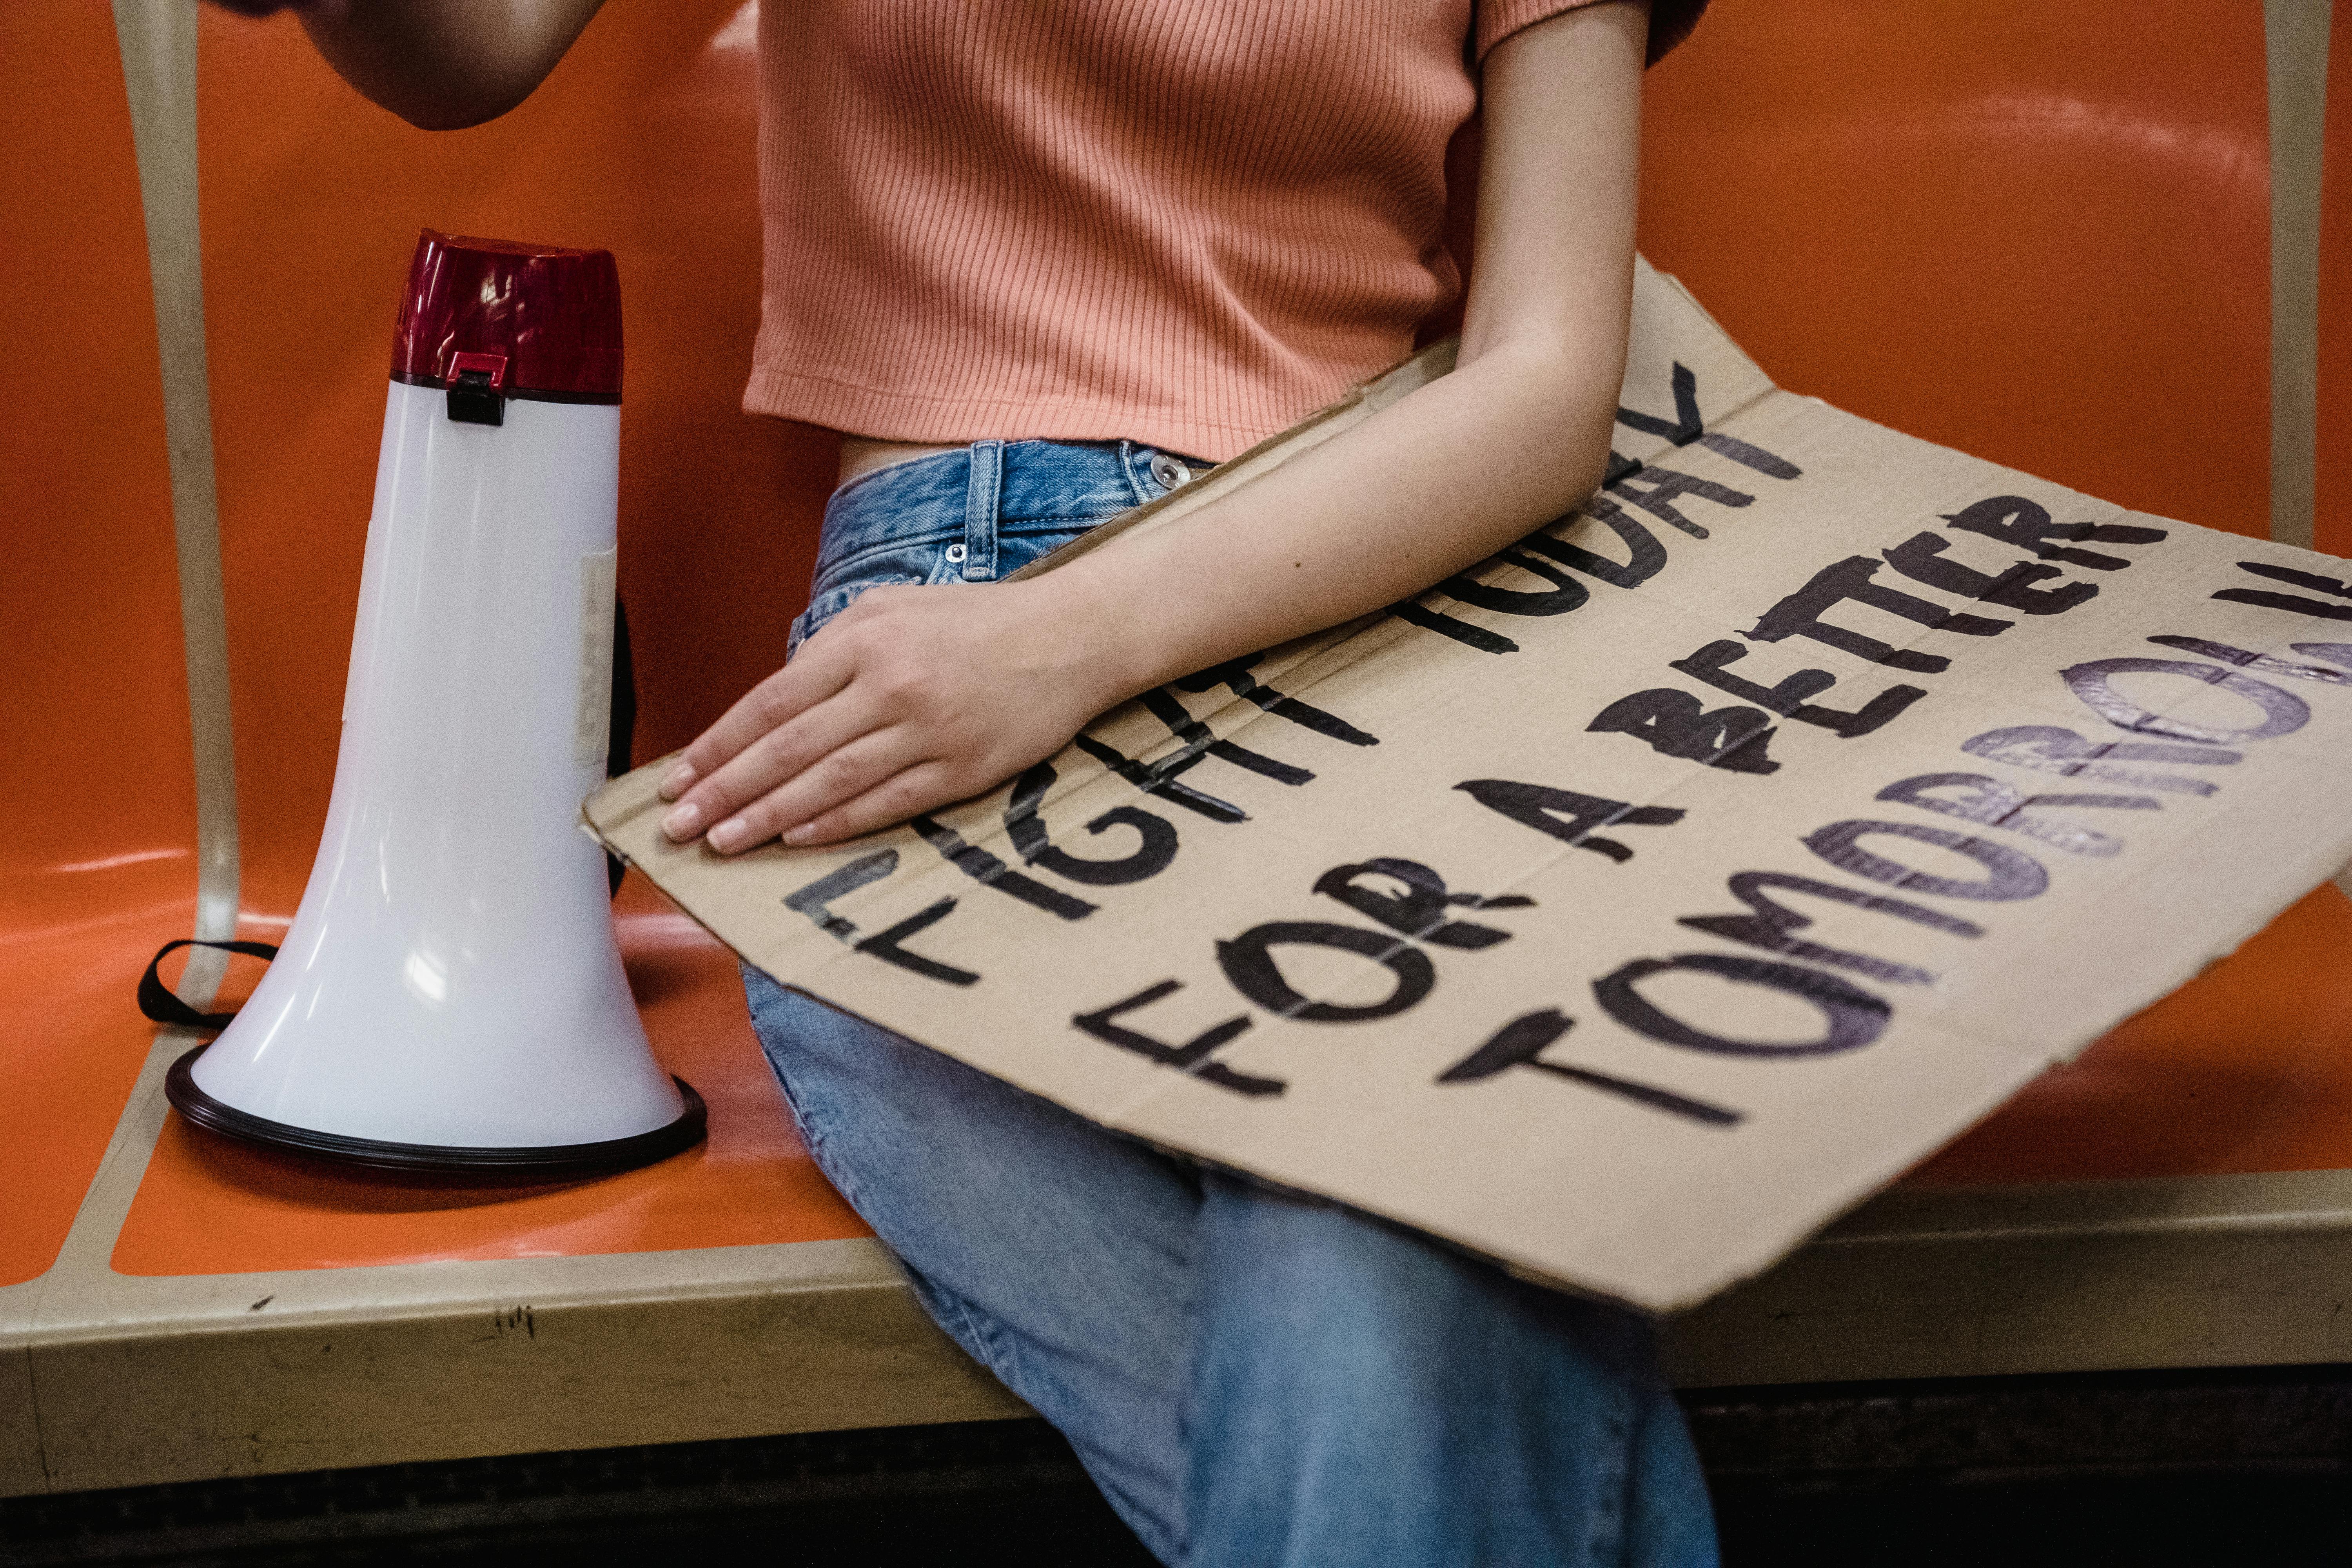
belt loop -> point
(980, 508)
(1131, 465)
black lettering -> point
(1570, 817)
(1660, 488)
(814, 900)
(1248, 962)
(2245, 659)
(1162, 778)
(1200, 741)
(1419, 912)
(1921, 559)
(990, 872)
(2333, 652)
(1566, 593)
(1191, 1057)
(1159, 778)
(2049, 750)
(2009, 874)
(1155, 849)
(2295, 604)
(1996, 804)
(1520, 1044)
(2282, 711)
(1668, 721)
(1854, 1017)
(1452, 626)
(1644, 555)
(1233, 675)
(884, 945)
(1687, 427)
(1788, 698)
(1765, 463)
(1799, 615)
(2014, 520)
(1771, 922)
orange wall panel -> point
(93, 697)
(2036, 232)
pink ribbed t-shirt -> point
(1189, 222)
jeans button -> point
(1168, 473)
(955, 552)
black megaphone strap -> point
(155, 998)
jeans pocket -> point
(821, 609)
(1024, 548)
(899, 566)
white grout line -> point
(2296, 37)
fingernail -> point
(801, 835)
(678, 781)
(679, 825)
(729, 836)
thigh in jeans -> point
(1056, 1252)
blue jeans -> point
(1252, 1377)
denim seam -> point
(1006, 528)
(980, 1335)
(812, 1138)
(1054, 522)
(929, 540)
(1613, 1480)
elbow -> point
(444, 99)
(1561, 413)
(435, 80)
(451, 112)
(1582, 399)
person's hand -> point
(911, 698)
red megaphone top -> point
(540, 320)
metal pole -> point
(158, 40)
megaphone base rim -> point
(550, 1160)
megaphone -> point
(449, 995)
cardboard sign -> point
(1625, 908)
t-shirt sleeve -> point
(1670, 21)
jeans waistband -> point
(993, 489)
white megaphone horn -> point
(449, 995)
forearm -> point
(443, 65)
(1425, 488)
